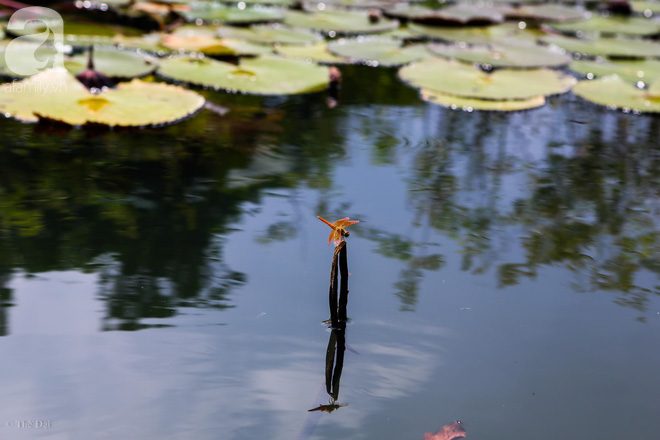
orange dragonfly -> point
(338, 232)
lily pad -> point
(352, 4)
(610, 25)
(55, 94)
(114, 63)
(458, 14)
(262, 2)
(335, 22)
(470, 14)
(270, 34)
(454, 78)
(648, 8)
(22, 66)
(146, 43)
(548, 12)
(264, 75)
(210, 12)
(316, 52)
(614, 92)
(646, 71)
(469, 104)
(211, 45)
(385, 52)
(609, 47)
(77, 32)
(525, 56)
(475, 35)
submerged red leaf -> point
(447, 432)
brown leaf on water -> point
(447, 432)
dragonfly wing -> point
(345, 222)
(335, 237)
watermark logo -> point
(21, 55)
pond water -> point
(172, 283)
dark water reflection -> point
(478, 233)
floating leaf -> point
(504, 55)
(148, 42)
(55, 94)
(262, 2)
(210, 12)
(632, 71)
(386, 52)
(270, 34)
(614, 92)
(77, 32)
(461, 13)
(339, 22)
(548, 12)
(611, 47)
(613, 24)
(470, 14)
(204, 39)
(407, 11)
(475, 35)
(353, 4)
(23, 64)
(317, 52)
(455, 78)
(468, 104)
(113, 63)
(212, 45)
(265, 75)
(647, 8)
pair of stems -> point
(334, 361)
(339, 267)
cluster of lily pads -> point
(473, 56)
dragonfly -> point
(338, 232)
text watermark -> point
(21, 55)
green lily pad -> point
(210, 12)
(336, 22)
(407, 11)
(525, 56)
(262, 2)
(608, 47)
(264, 75)
(646, 7)
(646, 71)
(614, 92)
(193, 41)
(548, 12)
(475, 35)
(77, 32)
(385, 52)
(55, 94)
(469, 104)
(316, 52)
(114, 63)
(23, 64)
(610, 25)
(460, 79)
(461, 14)
(270, 34)
(147, 43)
(352, 4)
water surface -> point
(172, 283)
